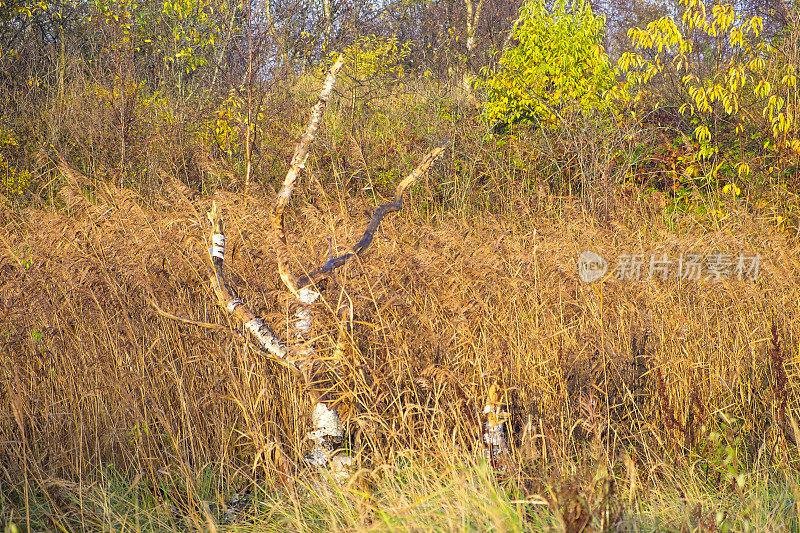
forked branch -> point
(301, 356)
(291, 281)
(377, 217)
(228, 299)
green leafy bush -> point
(557, 66)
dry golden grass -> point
(615, 389)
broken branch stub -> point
(494, 435)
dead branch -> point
(225, 329)
(228, 299)
(207, 325)
(298, 164)
(319, 374)
(377, 217)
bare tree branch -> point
(228, 299)
(298, 164)
(381, 211)
(319, 374)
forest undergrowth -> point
(633, 404)
(602, 262)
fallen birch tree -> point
(320, 375)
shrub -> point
(13, 182)
(735, 89)
(557, 66)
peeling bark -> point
(228, 299)
(327, 434)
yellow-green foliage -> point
(120, 14)
(183, 34)
(371, 65)
(194, 33)
(725, 71)
(227, 113)
(375, 57)
(226, 131)
(558, 65)
(122, 92)
(18, 13)
(13, 182)
(156, 107)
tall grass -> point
(644, 405)
(626, 398)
